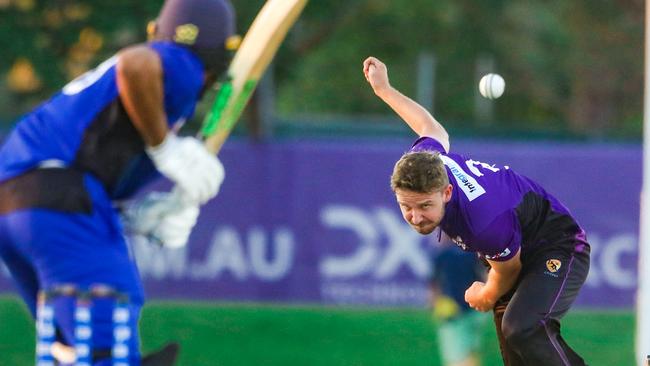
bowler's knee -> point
(520, 337)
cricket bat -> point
(254, 55)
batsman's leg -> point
(45, 330)
(83, 251)
(45, 248)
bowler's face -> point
(423, 211)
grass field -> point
(243, 334)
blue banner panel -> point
(315, 221)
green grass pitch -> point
(253, 334)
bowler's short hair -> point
(422, 172)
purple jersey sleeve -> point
(501, 239)
(426, 143)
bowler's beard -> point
(424, 229)
(428, 227)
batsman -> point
(537, 252)
(95, 143)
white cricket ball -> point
(492, 86)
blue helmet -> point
(207, 27)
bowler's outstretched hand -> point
(376, 74)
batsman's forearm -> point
(416, 116)
(140, 85)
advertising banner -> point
(316, 222)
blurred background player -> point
(538, 254)
(459, 327)
(99, 140)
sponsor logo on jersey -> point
(466, 182)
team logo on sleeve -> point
(553, 265)
(505, 253)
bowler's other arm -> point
(501, 278)
(418, 118)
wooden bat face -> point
(257, 49)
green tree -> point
(570, 65)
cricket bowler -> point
(537, 252)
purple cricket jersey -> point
(495, 211)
